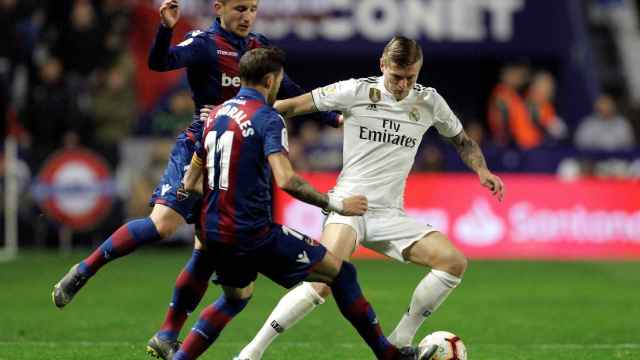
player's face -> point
(275, 87)
(399, 80)
(237, 16)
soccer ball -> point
(450, 347)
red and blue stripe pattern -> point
(238, 213)
(211, 323)
(191, 286)
(358, 311)
(123, 241)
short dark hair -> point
(257, 63)
(402, 51)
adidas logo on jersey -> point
(230, 81)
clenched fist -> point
(169, 13)
(354, 206)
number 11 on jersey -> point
(213, 145)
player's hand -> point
(169, 13)
(354, 206)
(205, 111)
(493, 183)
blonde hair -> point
(402, 51)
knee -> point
(452, 262)
(456, 263)
(239, 294)
(166, 223)
(322, 289)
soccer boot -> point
(162, 349)
(64, 291)
(427, 354)
(413, 353)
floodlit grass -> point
(502, 310)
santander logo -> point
(479, 226)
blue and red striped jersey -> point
(211, 59)
(238, 137)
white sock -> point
(427, 297)
(294, 306)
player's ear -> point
(382, 64)
(269, 80)
(217, 7)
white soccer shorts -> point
(385, 231)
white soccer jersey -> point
(382, 135)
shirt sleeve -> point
(275, 136)
(337, 96)
(199, 147)
(192, 51)
(290, 89)
(445, 121)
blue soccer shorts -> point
(286, 256)
(166, 191)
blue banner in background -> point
(546, 30)
(446, 26)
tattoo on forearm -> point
(302, 190)
(469, 152)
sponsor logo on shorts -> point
(303, 258)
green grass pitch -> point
(502, 310)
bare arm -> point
(192, 181)
(471, 154)
(298, 105)
(287, 179)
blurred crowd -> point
(68, 73)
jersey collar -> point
(251, 94)
(235, 40)
(389, 93)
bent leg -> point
(212, 321)
(340, 239)
(341, 277)
(448, 265)
(162, 223)
(191, 285)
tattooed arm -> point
(294, 185)
(471, 154)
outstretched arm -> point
(471, 154)
(290, 89)
(298, 105)
(294, 185)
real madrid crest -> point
(415, 114)
(374, 95)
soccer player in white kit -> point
(384, 120)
